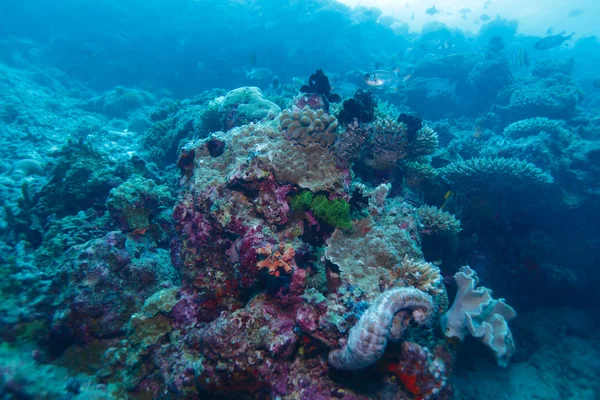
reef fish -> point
(552, 41)
(484, 17)
(258, 73)
(432, 11)
(523, 58)
(382, 78)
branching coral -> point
(392, 141)
(432, 220)
(421, 275)
(281, 258)
(368, 338)
(305, 126)
(496, 175)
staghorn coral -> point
(281, 258)
(305, 126)
(432, 220)
(368, 338)
(420, 274)
(496, 175)
(474, 312)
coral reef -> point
(368, 338)
(474, 312)
(307, 126)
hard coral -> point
(421, 275)
(281, 258)
(307, 126)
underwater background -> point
(260, 199)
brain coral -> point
(305, 126)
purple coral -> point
(368, 338)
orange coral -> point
(280, 258)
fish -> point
(575, 13)
(447, 198)
(258, 73)
(412, 17)
(432, 11)
(484, 17)
(253, 58)
(465, 10)
(522, 58)
(550, 42)
(549, 31)
(297, 81)
(382, 78)
(596, 83)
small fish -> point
(258, 73)
(465, 10)
(575, 13)
(412, 17)
(596, 83)
(550, 42)
(252, 59)
(432, 11)
(447, 198)
(549, 31)
(522, 58)
(484, 17)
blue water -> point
(205, 200)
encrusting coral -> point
(368, 338)
(474, 312)
(305, 126)
(281, 258)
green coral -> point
(333, 212)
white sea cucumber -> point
(368, 338)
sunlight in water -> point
(535, 16)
